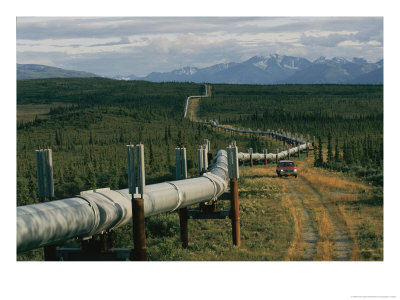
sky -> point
(110, 46)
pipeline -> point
(101, 210)
(190, 97)
(260, 156)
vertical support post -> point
(130, 157)
(276, 157)
(233, 171)
(48, 162)
(50, 253)
(200, 159)
(250, 151)
(207, 145)
(206, 142)
(183, 224)
(141, 180)
(139, 231)
(44, 164)
(298, 147)
(183, 163)
(229, 153)
(181, 173)
(205, 159)
(288, 153)
(265, 156)
(308, 149)
(137, 180)
(40, 174)
(235, 212)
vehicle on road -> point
(286, 168)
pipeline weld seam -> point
(179, 195)
(96, 213)
(210, 176)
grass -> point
(295, 251)
(28, 112)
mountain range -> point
(279, 69)
(32, 71)
(272, 69)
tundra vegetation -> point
(88, 121)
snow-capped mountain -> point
(337, 70)
(280, 69)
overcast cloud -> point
(124, 46)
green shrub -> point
(368, 238)
(163, 225)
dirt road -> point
(324, 234)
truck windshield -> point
(286, 164)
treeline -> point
(362, 156)
(102, 91)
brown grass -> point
(325, 232)
(351, 230)
(298, 244)
(327, 182)
(193, 108)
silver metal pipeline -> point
(190, 97)
(260, 156)
(102, 210)
(271, 156)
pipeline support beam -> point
(139, 232)
(235, 212)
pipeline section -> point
(93, 212)
(190, 97)
(301, 144)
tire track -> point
(309, 232)
(343, 243)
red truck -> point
(286, 168)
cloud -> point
(122, 41)
(330, 40)
(70, 28)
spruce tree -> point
(151, 155)
(319, 160)
(337, 157)
(91, 177)
(166, 136)
(181, 141)
(330, 154)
